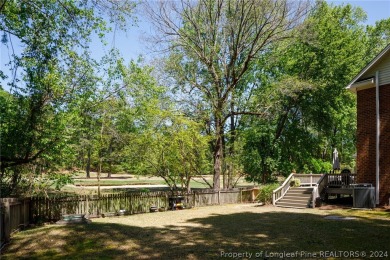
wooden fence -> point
(15, 214)
(51, 209)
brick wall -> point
(384, 161)
(366, 139)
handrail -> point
(341, 179)
(318, 188)
(326, 179)
(277, 193)
(308, 179)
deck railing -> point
(305, 180)
(319, 188)
(279, 192)
(312, 181)
(308, 179)
(341, 180)
(319, 182)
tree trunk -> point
(110, 158)
(218, 153)
(99, 174)
(88, 168)
(225, 167)
(232, 143)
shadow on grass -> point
(203, 238)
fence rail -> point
(17, 213)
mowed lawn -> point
(214, 232)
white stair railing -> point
(318, 189)
(317, 181)
(282, 190)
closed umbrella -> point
(336, 160)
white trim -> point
(378, 125)
(364, 70)
(363, 84)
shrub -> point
(295, 183)
(265, 193)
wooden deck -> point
(339, 190)
(321, 187)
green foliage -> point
(59, 180)
(328, 112)
(32, 179)
(295, 183)
(319, 166)
(260, 153)
(308, 111)
(53, 75)
(378, 37)
(252, 100)
(212, 50)
(174, 150)
(265, 192)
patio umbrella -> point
(336, 160)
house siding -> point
(366, 139)
(383, 66)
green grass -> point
(82, 184)
(190, 235)
(109, 182)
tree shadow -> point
(211, 237)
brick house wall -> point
(366, 139)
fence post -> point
(30, 209)
(87, 205)
(273, 198)
(7, 223)
(194, 199)
(2, 215)
(25, 211)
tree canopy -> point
(251, 88)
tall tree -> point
(158, 139)
(307, 123)
(212, 45)
(329, 64)
(49, 74)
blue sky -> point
(131, 45)
(376, 10)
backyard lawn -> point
(243, 231)
(123, 182)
